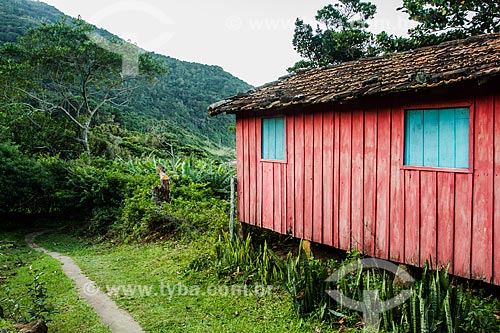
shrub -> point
(6, 327)
(142, 219)
(30, 307)
(241, 261)
(115, 195)
(436, 305)
(305, 281)
(22, 181)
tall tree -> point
(341, 34)
(443, 20)
(75, 78)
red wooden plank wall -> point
(343, 185)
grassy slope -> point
(166, 264)
(18, 265)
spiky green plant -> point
(240, 259)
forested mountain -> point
(175, 105)
(17, 16)
(181, 98)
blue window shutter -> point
(267, 129)
(280, 138)
(447, 138)
(273, 139)
(437, 138)
(462, 138)
(431, 137)
(414, 137)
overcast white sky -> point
(251, 39)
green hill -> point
(181, 100)
(175, 105)
(17, 16)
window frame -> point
(260, 142)
(438, 106)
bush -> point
(22, 180)
(305, 281)
(436, 305)
(240, 260)
(142, 219)
(33, 305)
(191, 210)
(6, 327)
(114, 196)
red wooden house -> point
(396, 156)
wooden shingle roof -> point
(428, 67)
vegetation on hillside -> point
(66, 148)
(18, 16)
(79, 140)
(177, 105)
(69, 79)
(173, 107)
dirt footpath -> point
(118, 320)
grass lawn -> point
(19, 266)
(153, 282)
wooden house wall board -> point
(482, 228)
(428, 217)
(245, 173)
(277, 197)
(411, 219)
(397, 188)
(496, 194)
(357, 181)
(290, 176)
(242, 208)
(252, 171)
(370, 182)
(345, 168)
(445, 219)
(317, 178)
(267, 194)
(299, 175)
(257, 153)
(336, 181)
(283, 198)
(463, 225)
(382, 221)
(327, 180)
(309, 171)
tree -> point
(75, 78)
(341, 34)
(444, 20)
(346, 38)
